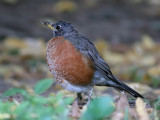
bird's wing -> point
(86, 47)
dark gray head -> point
(61, 28)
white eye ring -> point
(58, 27)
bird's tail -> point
(112, 81)
(125, 87)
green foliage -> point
(99, 108)
(54, 107)
(13, 51)
(126, 114)
(14, 91)
(156, 113)
(43, 85)
(157, 104)
(35, 107)
(155, 81)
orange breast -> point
(65, 62)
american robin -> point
(76, 64)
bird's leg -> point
(80, 100)
(89, 96)
(84, 98)
(79, 96)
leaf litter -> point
(138, 64)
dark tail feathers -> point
(135, 94)
(123, 86)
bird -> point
(75, 63)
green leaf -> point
(155, 81)
(14, 91)
(157, 104)
(68, 100)
(43, 85)
(6, 107)
(126, 114)
(99, 108)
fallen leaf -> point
(141, 109)
(14, 43)
(121, 106)
(64, 6)
(157, 92)
(132, 56)
(75, 112)
(155, 70)
(138, 49)
(141, 88)
(147, 61)
(147, 42)
(35, 48)
(113, 58)
(101, 46)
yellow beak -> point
(48, 24)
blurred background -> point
(125, 32)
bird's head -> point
(60, 28)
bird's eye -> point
(58, 27)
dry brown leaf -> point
(113, 58)
(146, 61)
(132, 56)
(75, 111)
(149, 110)
(101, 45)
(157, 92)
(141, 109)
(63, 6)
(147, 79)
(35, 48)
(14, 43)
(9, 59)
(155, 70)
(147, 42)
(27, 47)
(138, 49)
(121, 105)
(14, 71)
(141, 88)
